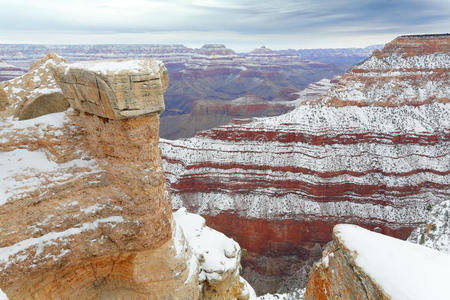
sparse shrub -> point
(243, 253)
(422, 239)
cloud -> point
(300, 19)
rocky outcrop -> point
(218, 259)
(360, 264)
(84, 210)
(35, 93)
(121, 89)
(278, 185)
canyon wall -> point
(210, 72)
(278, 185)
(84, 209)
(409, 70)
(207, 114)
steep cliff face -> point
(207, 114)
(360, 264)
(84, 210)
(278, 185)
(409, 70)
(215, 72)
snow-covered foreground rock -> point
(361, 264)
(84, 209)
(217, 257)
(34, 93)
(294, 295)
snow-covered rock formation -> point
(35, 93)
(216, 256)
(361, 264)
(84, 209)
(210, 113)
(278, 185)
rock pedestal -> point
(115, 89)
(87, 216)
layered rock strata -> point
(8, 71)
(207, 114)
(210, 72)
(84, 210)
(278, 185)
(360, 264)
(411, 70)
(216, 72)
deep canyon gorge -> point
(94, 204)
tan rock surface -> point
(104, 89)
(35, 93)
(341, 278)
(84, 212)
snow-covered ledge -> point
(370, 265)
(217, 257)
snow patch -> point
(217, 254)
(117, 66)
(20, 249)
(404, 270)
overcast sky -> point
(240, 24)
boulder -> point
(116, 89)
(35, 93)
(361, 264)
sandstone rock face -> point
(360, 264)
(35, 93)
(278, 185)
(85, 213)
(115, 89)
